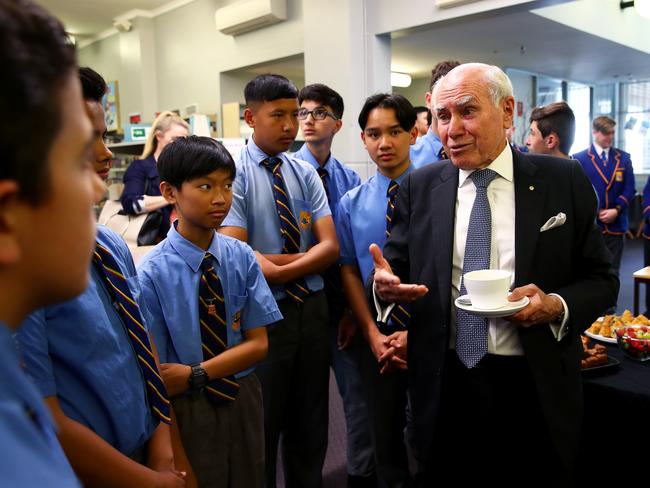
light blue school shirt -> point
(425, 150)
(31, 454)
(81, 352)
(170, 276)
(361, 220)
(253, 205)
(339, 178)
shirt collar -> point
(256, 154)
(192, 254)
(431, 136)
(599, 150)
(306, 155)
(384, 180)
(502, 165)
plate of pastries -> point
(594, 356)
(604, 328)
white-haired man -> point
(496, 398)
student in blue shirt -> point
(280, 209)
(320, 114)
(364, 217)
(89, 375)
(210, 305)
(47, 189)
(428, 148)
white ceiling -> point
(549, 47)
(87, 18)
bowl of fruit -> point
(635, 341)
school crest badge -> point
(236, 321)
(305, 220)
(619, 176)
(212, 309)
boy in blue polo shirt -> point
(320, 114)
(364, 217)
(90, 374)
(47, 189)
(210, 305)
(280, 209)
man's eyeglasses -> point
(317, 114)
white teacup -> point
(487, 288)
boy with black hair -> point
(210, 305)
(91, 376)
(320, 118)
(552, 130)
(280, 209)
(364, 217)
(428, 148)
(423, 120)
(47, 189)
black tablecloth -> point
(617, 419)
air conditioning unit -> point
(248, 15)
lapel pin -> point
(531, 187)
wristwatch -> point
(198, 378)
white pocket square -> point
(553, 222)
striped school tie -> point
(322, 172)
(603, 157)
(297, 289)
(129, 312)
(442, 154)
(471, 330)
(214, 330)
(400, 315)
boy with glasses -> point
(321, 109)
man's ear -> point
(363, 138)
(337, 126)
(249, 117)
(552, 140)
(414, 135)
(508, 105)
(10, 205)
(427, 100)
(168, 191)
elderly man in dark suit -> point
(500, 398)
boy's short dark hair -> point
(404, 111)
(421, 109)
(267, 88)
(556, 117)
(324, 95)
(189, 158)
(37, 60)
(93, 85)
(441, 69)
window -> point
(634, 123)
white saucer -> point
(508, 309)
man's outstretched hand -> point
(388, 286)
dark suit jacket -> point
(570, 260)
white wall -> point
(522, 85)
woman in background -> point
(141, 181)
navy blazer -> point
(570, 260)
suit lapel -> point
(443, 199)
(530, 195)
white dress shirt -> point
(599, 151)
(503, 338)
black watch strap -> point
(198, 378)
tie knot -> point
(393, 188)
(272, 164)
(603, 156)
(482, 178)
(206, 264)
(322, 172)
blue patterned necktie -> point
(603, 157)
(214, 330)
(401, 314)
(471, 330)
(297, 289)
(129, 312)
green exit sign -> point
(138, 132)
